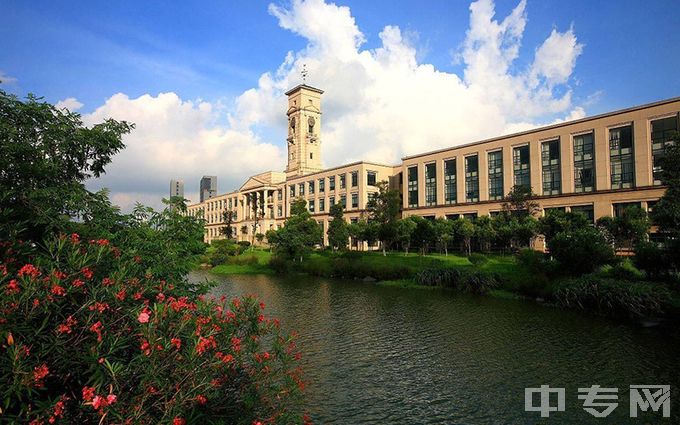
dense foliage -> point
(101, 326)
(299, 234)
(89, 334)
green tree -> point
(484, 232)
(46, 154)
(556, 221)
(337, 228)
(227, 230)
(384, 208)
(465, 230)
(299, 234)
(666, 212)
(423, 235)
(581, 250)
(520, 202)
(404, 232)
(631, 227)
(444, 233)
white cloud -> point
(70, 103)
(6, 79)
(177, 139)
(379, 104)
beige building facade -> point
(597, 165)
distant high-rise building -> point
(208, 187)
(176, 188)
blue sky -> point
(215, 49)
(626, 53)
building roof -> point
(548, 127)
(303, 86)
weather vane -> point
(304, 73)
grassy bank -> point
(612, 291)
(255, 261)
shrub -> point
(581, 251)
(625, 270)
(656, 262)
(444, 277)
(244, 244)
(474, 282)
(531, 259)
(613, 297)
(478, 282)
(478, 259)
(88, 334)
(280, 265)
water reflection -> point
(377, 355)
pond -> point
(381, 355)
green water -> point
(380, 355)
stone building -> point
(597, 165)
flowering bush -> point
(88, 336)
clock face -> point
(311, 121)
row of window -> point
(342, 200)
(320, 184)
(621, 155)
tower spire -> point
(304, 73)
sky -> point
(204, 81)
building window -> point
(450, 190)
(431, 184)
(331, 201)
(311, 155)
(311, 187)
(311, 205)
(331, 183)
(662, 130)
(322, 205)
(355, 178)
(279, 196)
(292, 190)
(322, 185)
(496, 175)
(413, 187)
(586, 210)
(355, 200)
(301, 189)
(343, 201)
(621, 154)
(620, 208)
(470, 216)
(520, 166)
(279, 211)
(371, 178)
(584, 165)
(342, 181)
(550, 161)
(471, 178)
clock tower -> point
(304, 130)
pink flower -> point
(13, 287)
(144, 316)
(29, 270)
(58, 290)
(88, 393)
(39, 373)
